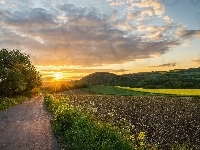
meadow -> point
(178, 92)
(138, 122)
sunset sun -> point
(58, 76)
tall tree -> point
(17, 74)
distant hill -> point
(103, 78)
(177, 79)
(182, 78)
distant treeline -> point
(174, 79)
(181, 79)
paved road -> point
(26, 127)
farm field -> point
(166, 122)
(180, 92)
(111, 90)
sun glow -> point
(58, 76)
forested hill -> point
(182, 78)
(104, 78)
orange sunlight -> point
(58, 76)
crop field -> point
(166, 122)
(181, 92)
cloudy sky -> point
(74, 38)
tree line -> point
(182, 79)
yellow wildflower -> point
(132, 137)
(142, 143)
(141, 135)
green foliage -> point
(6, 103)
(181, 79)
(17, 74)
(104, 78)
(178, 92)
(77, 130)
(34, 92)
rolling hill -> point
(181, 79)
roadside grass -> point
(177, 92)
(111, 90)
(6, 103)
(78, 130)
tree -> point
(17, 74)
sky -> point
(68, 39)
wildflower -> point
(132, 137)
(141, 135)
(111, 114)
(94, 110)
(142, 143)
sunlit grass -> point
(181, 92)
(6, 103)
(111, 90)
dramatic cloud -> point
(196, 61)
(58, 33)
(188, 33)
(173, 64)
(85, 70)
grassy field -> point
(125, 122)
(111, 90)
(6, 103)
(179, 92)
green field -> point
(111, 90)
(179, 92)
(127, 91)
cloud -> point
(167, 19)
(68, 34)
(188, 33)
(196, 61)
(150, 6)
(173, 64)
(85, 70)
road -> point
(27, 127)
